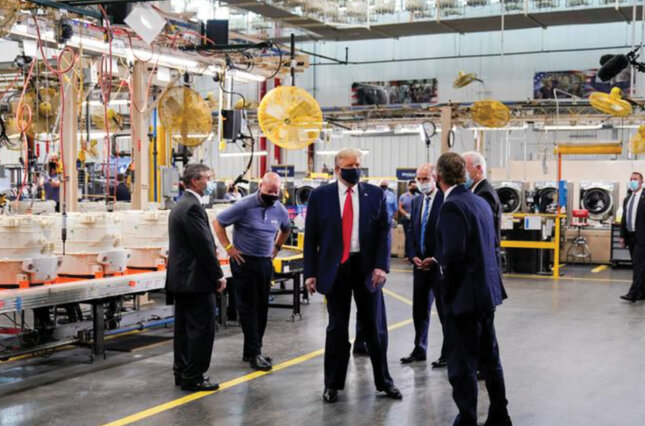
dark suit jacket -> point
(488, 193)
(415, 230)
(192, 264)
(472, 279)
(324, 233)
(640, 219)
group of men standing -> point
(454, 250)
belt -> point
(248, 256)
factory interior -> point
(105, 104)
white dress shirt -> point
(637, 196)
(476, 185)
(448, 191)
(342, 194)
(428, 198)
(199, 197)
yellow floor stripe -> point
(243, 379)
(397, 296)
(549, 277)
(401, 270)
(599, 268)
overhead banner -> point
(395, 92)
(579, 83)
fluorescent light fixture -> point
(246, 76)
(577, 127)
(373, 131)
(628, 126)
(98, 134)
(119, 50)
(330, 153)
(498, 129)
(243, 154)
(408, 130)
(112, 102)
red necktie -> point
(348, 221)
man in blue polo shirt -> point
(261, 225)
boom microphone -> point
(605, 58)
(612, 67)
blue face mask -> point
(210, 188)
(351, 176)
(633, 184)
(469, 181)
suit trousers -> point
(370, 311)
(423, 294)
(252, 282)
(637, 289)
(194, 334)
(471, 342)
(407, 225)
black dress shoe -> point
(360, 349)
(503, 422)
(392, 392)
(412, 358)
(259, 363)
(204, 385)
(440, 363)
(267, 358)
(330, 395)
(628, 298)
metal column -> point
(69, 143)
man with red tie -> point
(347, 250)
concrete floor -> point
(572, 354)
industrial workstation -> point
(419, 212)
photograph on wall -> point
(395, 92)
(578, 83)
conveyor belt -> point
(80, 291)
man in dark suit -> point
(471, 288)
(347, 250)
(632, 234)
(193, 276)
(476, 181)
(424, 214)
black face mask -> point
(351, 176)
(268, 199)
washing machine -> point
(303, 190)
(512, 195)
(600, 198)
(545, 196)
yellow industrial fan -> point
(186, 116)
(490, 113)
(611, 103)
(44, 105)
(638, 141)
(97, 118)
(463, 79)
(290, 117)
(9, 11)
(88, 149)
(244, 104)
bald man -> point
(261, 224)
(423, 222)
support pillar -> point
(139, 132)
(69, 141)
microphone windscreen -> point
(605, 58)
(613, 67)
